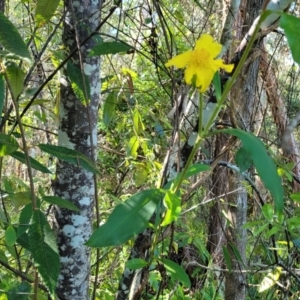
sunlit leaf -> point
(45, 10)
(8, 144)
(132, 147)
(127, 219)
(137, 122)
(291, 26)
(270, 279)
(268, 211)
(173, 204)
(15, 77)
(11, 40)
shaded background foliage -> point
(134, 134)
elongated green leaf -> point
(173, 204)
(61, 202)
(177, 272)
(34, 163)
(192, 170)
(45, 10)
(24, 219)
(10, 235)
(227, 259)
(8, 144)
(70, 155)
(109, 108)
(127, 219)
(20, 198)
(44, 250)
(137, 122)
(109, 48)
(268, 211)
(80, 83)
(2, 94)
(291, 26)
(264, 164)
(132, 147)
(243, 159)
(11, 40)
(136, 263)
(15, 77)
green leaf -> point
(109, 108)
(268, 211)
(192, 170)
(264, 164)
(80, 83)
(291, 26)
(69, 155)
(44, 11)
(243, 159)
(295, 197)
(2, 94)
(11, 40)
(173, 204)
(132, 147)
(127, 219)
(227, 259)
(176, 271)
(44, 250)
(33, 163)
(136, 263)
(19, 292)
(15, 77)
(10, 236)
(61, 202)
(24, 219)
(8, 144)
(137, 122)
(20, 198)
(109, 48)
(196, 169)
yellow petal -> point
(219, 64)
(205, 39)
(189, 73)
(206, 42)
(180, 61)
(215, 49)
(228, 68)
(204, 78)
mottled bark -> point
(244, 106)
(78, 131)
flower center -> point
(200, 58)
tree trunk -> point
(78, 131)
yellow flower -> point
(201, 62)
